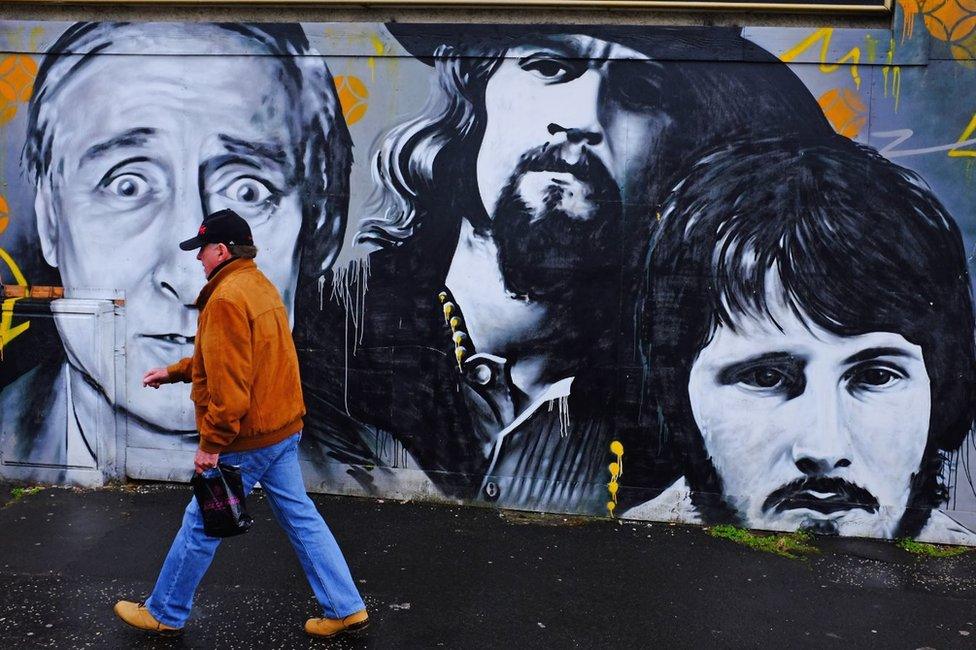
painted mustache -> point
(587, 168)
(798, 494)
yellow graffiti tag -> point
(7, 330)
(824, 35)
(967, 134)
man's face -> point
(811, 430)
(144, 147)
(573, 127)
(210, 256)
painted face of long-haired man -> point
(809, 331)
(566, 133)
(553, 180)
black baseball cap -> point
(222, 227)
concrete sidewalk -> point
(439, 576)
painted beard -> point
(554, 225)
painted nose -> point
(577, 136)
(823, 446)
(578, 111)
(177, 275)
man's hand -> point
(155, 378)
(203, 461)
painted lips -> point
(175, 339)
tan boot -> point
(327, 627)
(136, 615)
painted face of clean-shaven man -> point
(144, 147)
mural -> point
(629, 271)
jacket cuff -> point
(180, 371)
(210, 447)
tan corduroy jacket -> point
(244, 368)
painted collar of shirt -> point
(487, 377)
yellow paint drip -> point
(35, 37)
(872, 46)
(380, 48)
(909, 9)
(896, 85)
(892, 73)
(616, 471)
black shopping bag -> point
(220, 495)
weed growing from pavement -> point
(18, 493)
(931, 550)
(790, 545)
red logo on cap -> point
(203, 230)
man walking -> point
(249, 408)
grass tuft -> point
(790, 545)
(18, 493)
(930, 550)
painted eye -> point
(765, 378)
(128, 186)
(249, 191)
(874, 377)
(550, 69)
(877, 376)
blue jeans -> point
(276, 467)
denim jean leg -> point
(192, 550)
(317, 550)
(188, 559)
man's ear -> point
(47, 221)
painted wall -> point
(629, 271)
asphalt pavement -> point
(464, 577)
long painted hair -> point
(426, 165)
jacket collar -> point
(222, 273)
